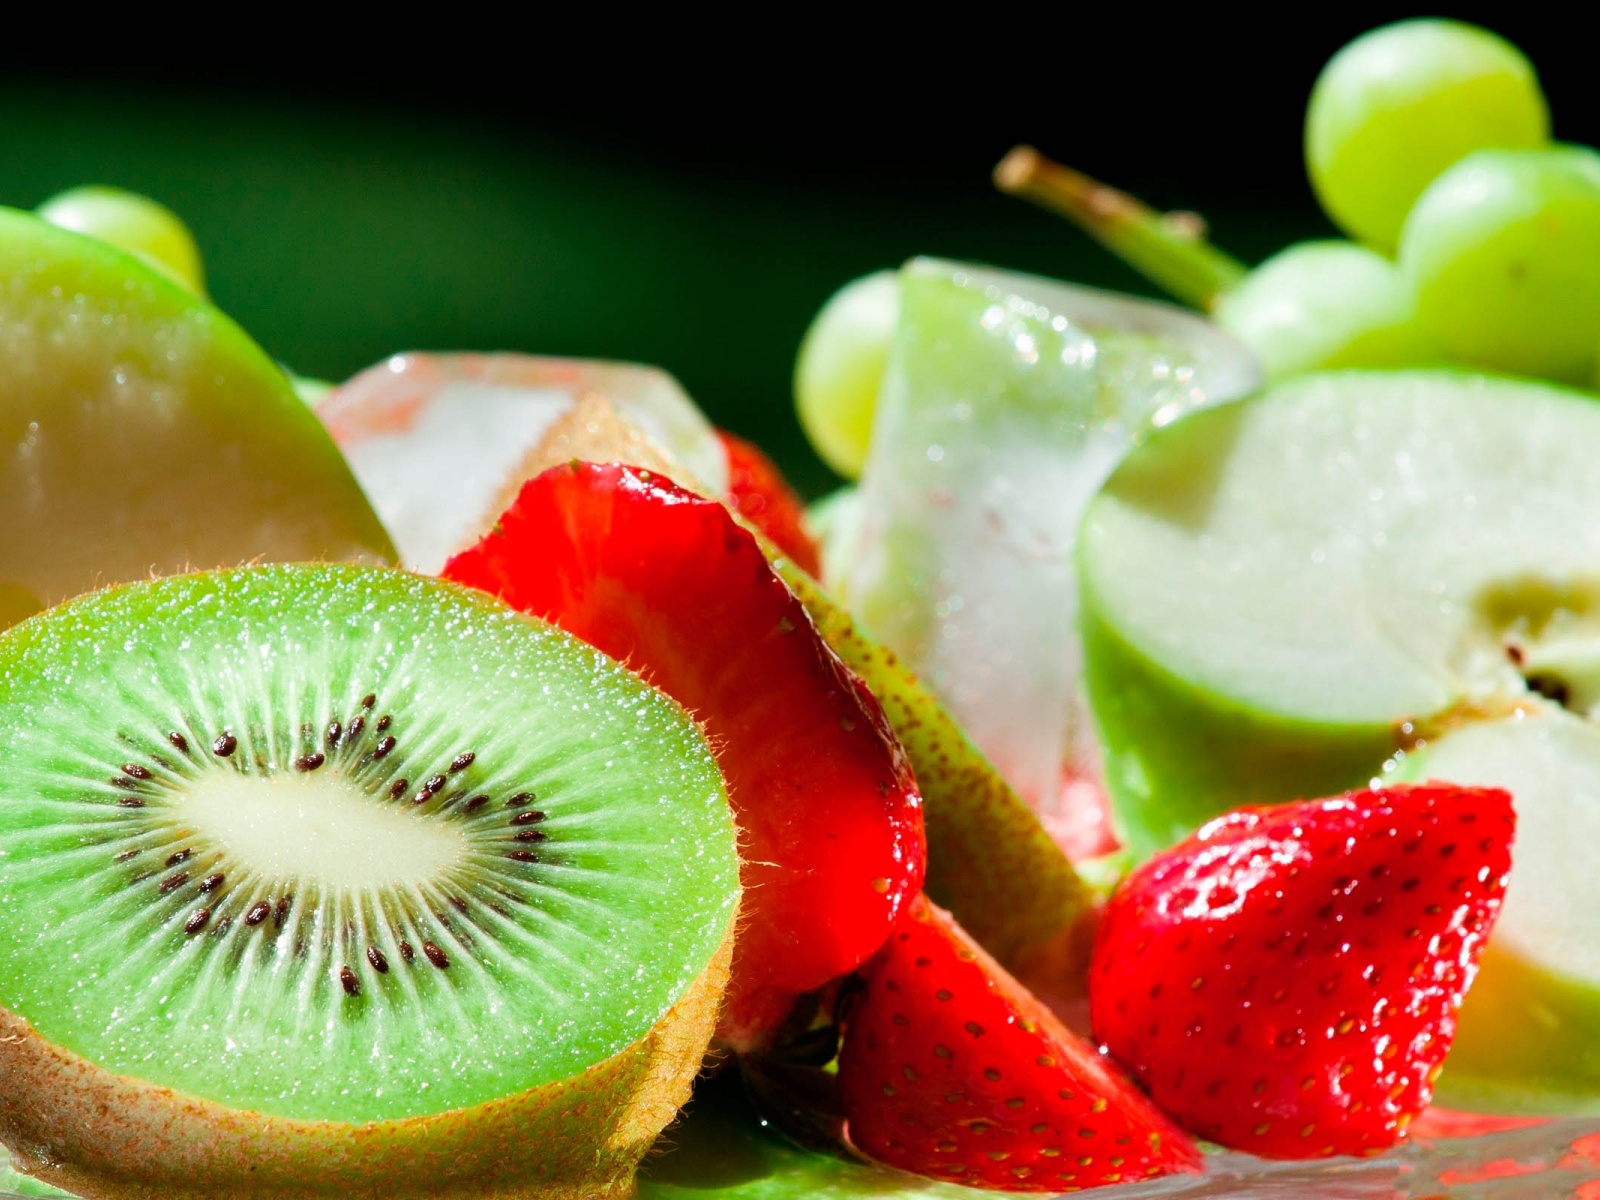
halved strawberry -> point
(759, 493)
(829, 816)
(951, 1068)
(1286, 981)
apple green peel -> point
(150, 434)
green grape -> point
(1503, 254)
(839, 368)
(133, 223)
(1398, 105)
(1324, 305)
(311, 391)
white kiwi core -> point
(319, 829)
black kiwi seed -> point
(122, 781)
(335, 732)
(127, 856)
(384, 722)
(520, 799)
(197, 921)
(309, 762)
(178, 856)
(352, 985)
(130, 802)
(259, 912)
(406, 952)
(380, 964)
(525, 856)
(225, 745)
(435, 955)
(136, 771)
(383, 747)
(179, 741)
(398, 788)
(357, 724)
(210, 884)
(281, 911)
(173, 882)
(530, 816)
(369, 700)
(462, 761)
(532, 835)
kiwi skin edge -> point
(107, 1137)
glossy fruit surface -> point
(346, 816)
(148, 432)
(133, 223)
(1286, 981)
(1503, 254)
(950, 1068)
(829, 816)
(1402, 103)
(1323, 305)
(758, 492)
(840, 368)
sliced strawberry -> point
(829, 816)
(759, 493)
(1286, 981)
(951, 1068)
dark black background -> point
(681, 194)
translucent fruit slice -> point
(440, 442)
(341, 875)
(1007, 400)
(829, 816)
(1286, 595)
(146, 432)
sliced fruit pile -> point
(329, 878)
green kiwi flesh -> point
(341, 861)
(146, 432)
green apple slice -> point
(145, 432)
(1365, 572)
(1529, 1035)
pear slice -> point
(143, 432)
(1366, 572)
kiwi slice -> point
(144, 431)
(317, 878)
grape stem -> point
(1169, 249)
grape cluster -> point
(1474, 239)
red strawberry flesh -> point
(759, 493)
(1286, 981)
(950, 1068)
(664, 580)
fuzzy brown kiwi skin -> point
(107, 1137)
